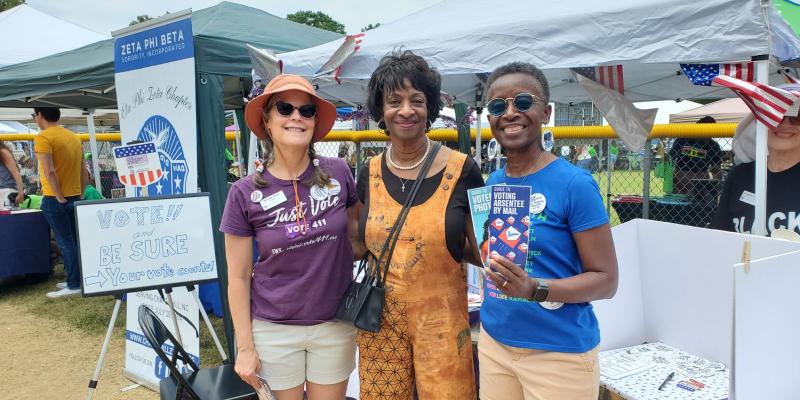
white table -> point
(709, 379)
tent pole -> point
(93, 148)
(479, 111)
(760, 216)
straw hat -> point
(326, 111)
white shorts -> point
(292, 354)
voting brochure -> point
(509, 222)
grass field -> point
(91, 314)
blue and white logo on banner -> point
(159, 130)
(160, 45)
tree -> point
(6, 4)
(317, 19)
(139, 19)
(370, 26)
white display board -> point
(129, 245)
(766, 328)
(676, 286)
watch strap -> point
(541, 292)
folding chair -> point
(215, 383)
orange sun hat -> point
(326, 111)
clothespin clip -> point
(746, 256)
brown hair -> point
(320, 177)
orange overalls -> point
(424, 334)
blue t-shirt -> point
(573, 204)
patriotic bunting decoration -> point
(609, 76)
(138, 164)
(767, 103)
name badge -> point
(748, 197)
(272, 200)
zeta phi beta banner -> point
(155, 84)
(155, 80)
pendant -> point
(403, 187)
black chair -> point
(215, 383)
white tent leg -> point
(93, 147)
(479, 110)
(760, 216)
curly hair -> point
(519, 67)
(394, 72)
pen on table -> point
(669, 378)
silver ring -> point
(505, 283)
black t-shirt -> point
(695, 155)
(457, 208)
(737, 202)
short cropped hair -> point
(707, 120)
(50, 114)
(519, 67)
(391, 75)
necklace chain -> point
(410, 167)
(528, 171)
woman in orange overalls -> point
(424, 341)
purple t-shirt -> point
(298, 279)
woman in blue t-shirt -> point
(539, 334)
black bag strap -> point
(394, 233)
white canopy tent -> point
(36, 35)
(463, 39)
(466, 39)
(724, 110)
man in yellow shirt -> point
(60, 155)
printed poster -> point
(479, 203)
(155, 85)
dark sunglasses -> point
(522, 102)
(286, 109)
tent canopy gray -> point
(84, 77)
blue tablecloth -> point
(24, 244)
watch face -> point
(551, 305)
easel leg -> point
(168, 291)
(96, 377)
(208, 323)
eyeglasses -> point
(286, 109)
(522, 102)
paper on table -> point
(621, 364)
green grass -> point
(91, 314)
(626, 182)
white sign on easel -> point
(134, 245)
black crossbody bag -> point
(362, 304)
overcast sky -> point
(104, 16)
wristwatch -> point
(541, 292)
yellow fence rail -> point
(560, 132)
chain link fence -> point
(673, 180)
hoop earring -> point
(547, 141)
(382, 127)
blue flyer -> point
(509, 222)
